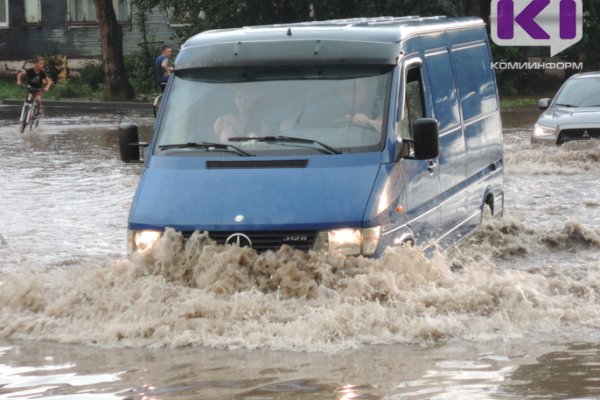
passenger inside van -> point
(354, 103)
(367, 108)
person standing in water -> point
(161, 67)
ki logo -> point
(554, 23)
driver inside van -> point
(235, 124)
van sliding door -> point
(452, 159)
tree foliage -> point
(199, 15)
(587, 50)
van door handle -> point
(431, 167)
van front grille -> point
(264, 240)
(578, 134)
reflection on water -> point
(76, 191)
(496, 317)
(573, 372)
(460, 370)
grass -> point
(60, 91)
(68, 90)
(512, 101)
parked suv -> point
(574, 114)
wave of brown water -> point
(197, 293)
(568, 159)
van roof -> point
(358, 40)
(379, 29)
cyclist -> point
(36, 78)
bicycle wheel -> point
(37, 116)
(23, 120)
(156, 104)
(31, 117)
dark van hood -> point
(177, 193)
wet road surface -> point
(511, 313)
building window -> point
(3, 13)
(122, 9)
(33, 12)
(84, 11)
(177, 18)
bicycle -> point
(30, 115)
(156, 104)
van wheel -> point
(409, 242)
(486, 213)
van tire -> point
(487, 210)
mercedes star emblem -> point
(239, 239)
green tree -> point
(587, 49)
(360, 8)
(111, 39)
(199, 15)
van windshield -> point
(275, 110)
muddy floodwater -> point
(512, 312)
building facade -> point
(68, 28)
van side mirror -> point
(129, 143)
(426, 138)
(543, 103)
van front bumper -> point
(346, 241)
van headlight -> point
(350, 241)
(142, 240)
(542, 130)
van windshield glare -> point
(339, 106)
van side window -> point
(475, 81)
(443, 91)
(413, 103)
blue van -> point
(348, 136)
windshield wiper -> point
(208, 146)
(289, 139)
(566, 105)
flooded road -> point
(513, 312)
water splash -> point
(569, 159)
(201, 294)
